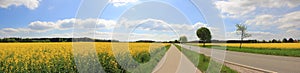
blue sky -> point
(48, 10)
(151, 19)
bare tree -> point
(241, 30)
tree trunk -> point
(241, 39)
(204, 43)
(241, 44)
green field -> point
(268, 49)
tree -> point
(274, 41)
(176, 41)
(284, 40)
(291, 40)
(183, 39)
(278, 41)
(241, 30)
(203, 34)
(264, 41)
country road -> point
(175, 62)
(280, 64)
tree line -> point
(204, 36)
(85, 39)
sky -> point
(160, 20)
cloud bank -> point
(30, 4)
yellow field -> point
(267, 45)
(257, 45)
(58, 57)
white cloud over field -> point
(239, 8)
(151, 29)
(118, 3)
(30, 4)
(266, 19)
(66, 24)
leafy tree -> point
(291, 40)
(278, 41)
(264, 41)
(241, 30)
(284, 40)
(274, 41)
(183, 39)
(203, 34)
(176, 41)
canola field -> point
(59, 57)
(256, 45)
(267, 45)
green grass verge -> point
(266, 51)
(150, 62)
(203, 61)
(278, 52)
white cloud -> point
(14, 30)
(258, 35)
(66, 24)
(10, 30)
(261, 20)
(152, 28)
(199, 25)
(238, 8)
(31, 4)
(293, 3)
(144, 24)
(155, 37)
(233, 8)
(42, 26)
(85, 23)
(98, 35)
(290, 21)
(270, 19)
(156, 25)
(118, 3)
(152, 25)
(108, 35)
(293, 33)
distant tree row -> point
(53, 40)
(291, 40)
(244, 41)
(284, 40)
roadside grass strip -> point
(266, 51)
(202, 62)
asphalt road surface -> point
(280, 64)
